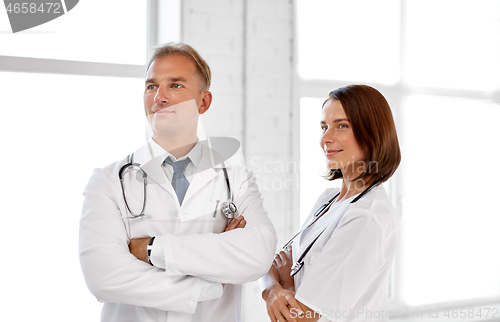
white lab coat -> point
(194, 247)
(345, 273)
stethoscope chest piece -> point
(228, 209)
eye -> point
(343, 126)
(324, 128)
(150, 87)
(176, 85)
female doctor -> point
(351, 233)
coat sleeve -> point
(235, 257)
(111, 272)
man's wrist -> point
(157, 257)
(149, 248)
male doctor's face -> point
(172, 97)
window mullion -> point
(55, 66)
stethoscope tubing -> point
(131, 164)
(228, 208)
(297, 266)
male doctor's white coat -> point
(195, 249)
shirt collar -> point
(194, 155)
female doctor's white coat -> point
(195, 248)
(346, 272)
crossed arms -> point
(114, 274)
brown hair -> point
(374, 130)
(177, 48)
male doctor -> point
(179, 259)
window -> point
(351, 47)
(112, 31)
(450, 221)
(439, 70)
(54, 133)
(457, 46)
(72, 101)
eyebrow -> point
(335, 121)
(171, 79)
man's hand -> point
(236, 223)
(138, 248)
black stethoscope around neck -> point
(297, 266)
(228, 208)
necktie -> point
(179, 181)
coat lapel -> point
(152, 167)
(204, 174)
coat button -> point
(194, 296)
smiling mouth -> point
(331, 153)
(163, 111)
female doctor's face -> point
(172, 97)
(337, 140)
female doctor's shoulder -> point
(375, 207)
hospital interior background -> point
(71, 101)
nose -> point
(326, 138)
(161, 96)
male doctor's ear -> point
(206, 102)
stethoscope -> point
(228, 208)
(297, 266)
